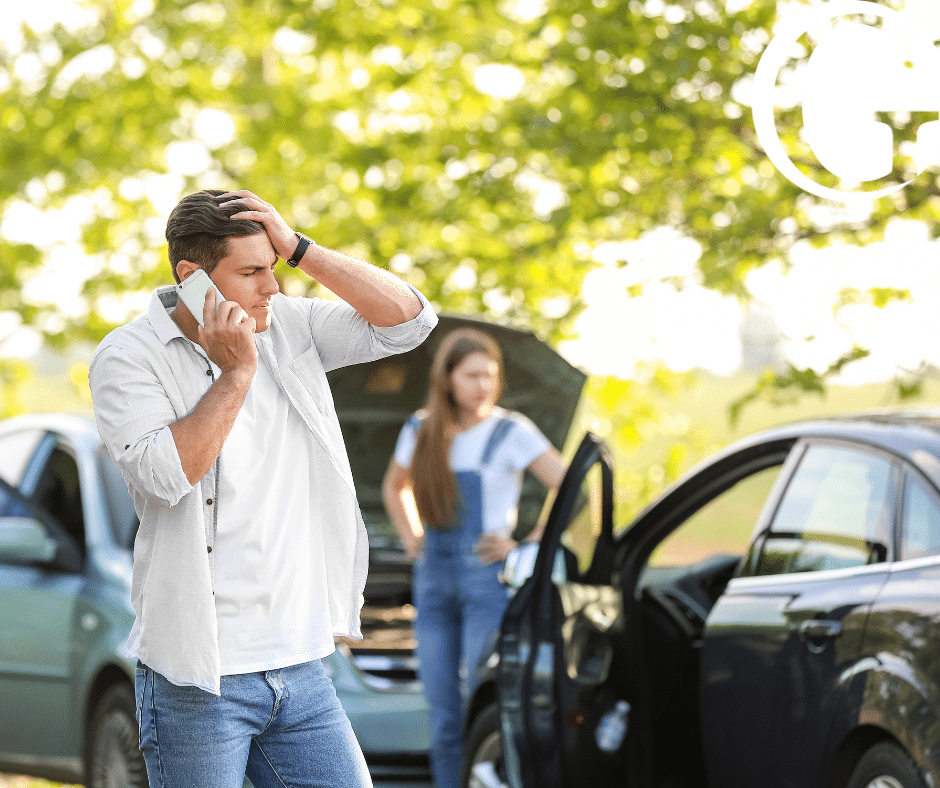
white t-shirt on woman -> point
(502, 475)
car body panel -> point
(389, 719)
(767, 690)
(36, 634)
(914, 721)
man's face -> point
(246, 275)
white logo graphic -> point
(856, 70)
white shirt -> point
(270, 564)
(502, 476)
(146, 375)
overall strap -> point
(497, 436)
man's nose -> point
(270, 284)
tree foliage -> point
(478, 150)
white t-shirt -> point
(270, 577)
(502, 476)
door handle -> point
(820, 629)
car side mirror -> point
(520, 563)
(26, 539)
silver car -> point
(67, 527)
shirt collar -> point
(163, 299)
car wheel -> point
(482, 765)
(114, 758)
(886, 766)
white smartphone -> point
(192, 290)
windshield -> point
(124, 520)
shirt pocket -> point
(309, 371)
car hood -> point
(374, 400)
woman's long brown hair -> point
(435, 486)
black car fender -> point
(883, 697)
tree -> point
(480, 150)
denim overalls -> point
(459, 602)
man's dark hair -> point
(199, 228)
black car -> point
(771, 621)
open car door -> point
(564, 711)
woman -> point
(451, 490)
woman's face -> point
(475, 382)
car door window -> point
(920, 529)
(59, 494)
(124, 522)
(11, 504)
(834, 514)
(723, 526)
(14, 505)
(16, 450)
(584, 528)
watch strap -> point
(302, 243)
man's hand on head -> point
(380, 297)
(283, 238)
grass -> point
(19, 781)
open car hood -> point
(374, 400)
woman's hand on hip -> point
(491, 548)
(413, 547)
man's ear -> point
(184, 268)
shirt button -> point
(208, 371)
(209, 548)
(208, 501)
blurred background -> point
(585, 169)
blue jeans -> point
(281, 727)
(459, 604)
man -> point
(251, 554)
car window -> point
(16, 449)
(723, 526)
(59, 494)
(11, 504)
(920, 528)
(584, 527)
(14, 504)
(834, 514)
(124, 520)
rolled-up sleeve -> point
(134, 414)
(344, 337)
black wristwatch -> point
(302, 243)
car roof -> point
(912, 434)
(79, 429)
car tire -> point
(483, 746)
(886, 766)
(114, 760)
